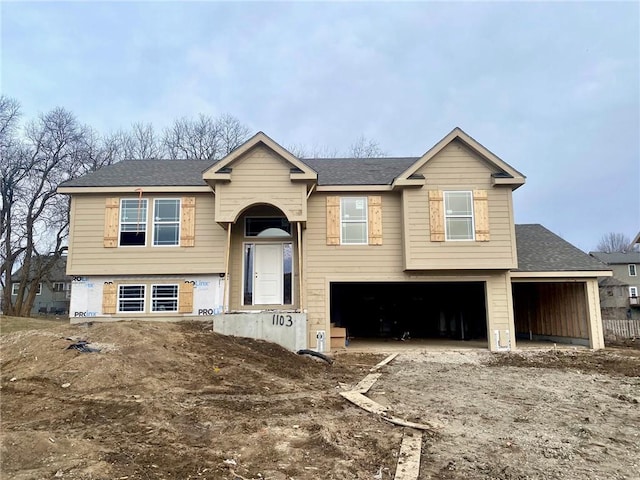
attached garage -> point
(452, 310)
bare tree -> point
(365, 147)
(232, 133)
(615, 242)
(143, 142)
(193, 139)
(35, 219)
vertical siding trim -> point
(375, 219)
(109, 298)
(481, 215)
(333, 220)
(111, 222)
(188, 222)
(185, 298)
(436, 215)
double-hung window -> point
(133, 222)
(458, 214)
(632, 270)
(164, 298)
(633, 291)
(166, 222)
(353, 221)
(131, 298)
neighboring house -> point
(53, 292)
(266, 244)
(626, 269)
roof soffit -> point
(513, 177)
(303, 171)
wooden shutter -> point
(481, 215)
(185, 298)
(188, 222)
(375, 219)
(111, 222)
(109, 297)
(333, 220)
(436, 215)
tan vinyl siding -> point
(261, 176)
(88, 256)
(457, 168)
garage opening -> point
(420, 310)
(553, 311)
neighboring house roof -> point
(611, 282)
(617, 258)
(540, 250)
(57, 274)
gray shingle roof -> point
(331, 171)
(145, 173)
(617, 258)
(540, 250)
(359, 171)
(58, 272)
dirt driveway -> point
(175, 401)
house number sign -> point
(282, 320)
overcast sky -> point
(551, 88)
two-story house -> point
(273, 246)
(626, 270)
(53, 292)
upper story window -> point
(16, 286)
(166, 222)
(353, 221)
(58, 287)
(632, 270)
(633, 291)
(133, 222)
(458, 214)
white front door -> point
(267, 285)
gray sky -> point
(551, 88)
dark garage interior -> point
(452, 310)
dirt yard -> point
(175, 401)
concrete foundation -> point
(287, 329)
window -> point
(133, 222)
(166, 222)
(164, 298)
(458, 214)
(633, 291)
(39, 290)
(267, 227)
(14, 288)
(632, 270)
(353, 221)
(58, 286)
(131, 298)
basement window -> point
(458, 214)
(131, 298)
(164, 298)
(133, 222)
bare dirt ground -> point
(175, 401)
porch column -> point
(225, 302)
(300, 270)
(594, 316)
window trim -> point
(14, 288)
(446, 216)
(633, 290)
(54, 284)
(146, 222)
(365, 221)
(144, 298)
(630, 267)
(177, 297)
(39, 291)
(154, 223)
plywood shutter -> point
(185, 298)
(111, 222)
(436, 215)
(333, 220)
(481, 215)
(188, 222)
(375, 220)
(109, 298)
